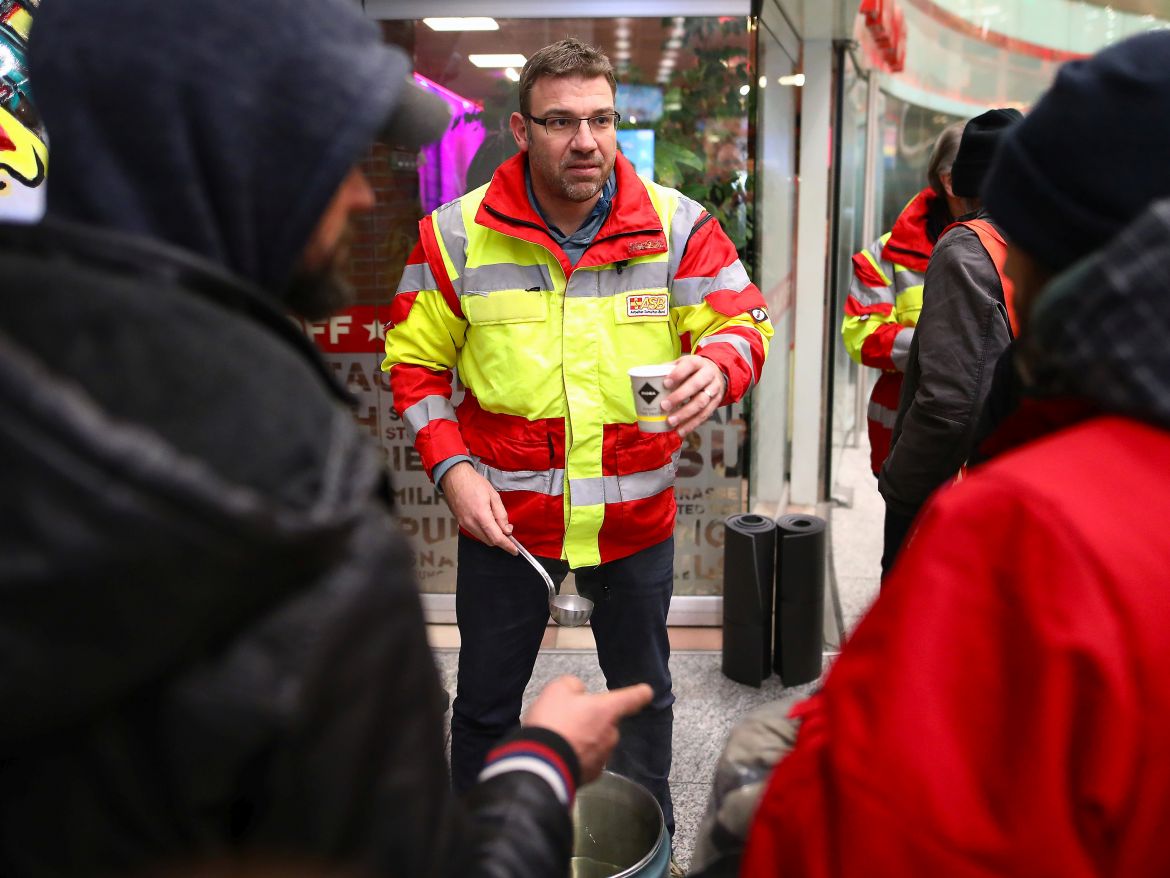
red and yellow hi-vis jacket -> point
(543, 349)
(881, 311)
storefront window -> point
(908, 135)
(774, 268)
(850, 207)
(684, 97)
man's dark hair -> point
(569, 57)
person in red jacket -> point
(885, 291)
(1003, 708)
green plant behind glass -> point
(693, 104)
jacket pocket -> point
(505, 306)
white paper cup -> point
(646, 382)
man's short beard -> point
(317, 295)
(574, 192)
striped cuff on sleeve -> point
(541, 752)
(442, 466)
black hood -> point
(229, 141)
(1099, 331)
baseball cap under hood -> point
(418, 117)
(218, 126)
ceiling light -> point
(763, 81)
(511, 74)
(446, 24)
(744, 89)
(797, 79)
(512, 60)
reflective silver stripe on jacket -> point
(742, 347)
(415, 278)
(449, 226)
(685, 216)
(882, 415)
(869, 296)
(428, 409)
(506, 276)
(611, 282)
(862, 292)
(693, 290)
(549, 481)
(900, 350)
(877, 250)
(617, 489)
(907, 279)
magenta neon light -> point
(447, 93)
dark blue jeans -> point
(896, 529)
(502, 608)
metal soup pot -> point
(618, 831)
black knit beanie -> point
(981, 135)
(1092, 154)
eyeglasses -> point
(567, 126)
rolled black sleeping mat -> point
(800, 598)
(749, 552)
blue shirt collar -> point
(584, 236)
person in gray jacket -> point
(963, 328)
(212, 648)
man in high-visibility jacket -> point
(543, 288)
(885, 292)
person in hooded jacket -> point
(1003, 707)
(211, 642)
(961, 332)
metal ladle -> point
(569, 610)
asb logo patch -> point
(759, 315)
(648, 392)
(647, 305)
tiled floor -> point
(447, 637)
(707, 705)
